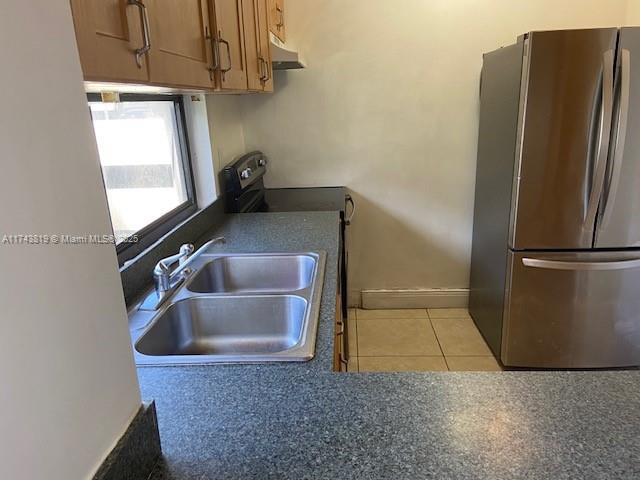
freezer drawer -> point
(572, 310)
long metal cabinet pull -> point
(145, 31)
(591, 266)
(621, 135)
(214, 51)
(606, 115)
(263, 69)
(267, 73)
(226, 44)
(280, 23)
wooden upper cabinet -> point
(229, 49)
(256, 41)
(276, 18)
(265, 44)
(108, 33)
(181, 43)
(255, 68)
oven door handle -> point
(349, 199)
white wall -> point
(226, 130)
(202, 161)
(633, 13)
(389, 107)
(68, 382)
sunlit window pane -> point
(142, 167)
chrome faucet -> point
(162, 274)
(213, 241)
(166, 280)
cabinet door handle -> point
(145, 31)
(214, 51)
(264, 64)
(261, 67)
(226, 44)
(280, 23)
(267, 72)
(349, 199)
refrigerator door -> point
(619, 216)
(572, 310)
(563, 148)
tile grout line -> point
(439, 345)
(427, 316)
(403, 356)
(394, 318)
(438, 340)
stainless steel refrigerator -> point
(555, 271)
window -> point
(145, 165)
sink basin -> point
(235, 308)
(254, 273)
(226, 326)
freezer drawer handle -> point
(593, 266)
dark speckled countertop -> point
(302, 421)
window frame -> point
(152, 232)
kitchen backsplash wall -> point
(633, 13)
(226, 130)
(388, 106)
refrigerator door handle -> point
(591, 266)
(621, 134)
(606, 114)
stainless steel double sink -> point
(235, 308)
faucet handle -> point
(186, 250)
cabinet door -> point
(276, 18)
(181, 49)
(255, 65)
(229, 51)
(108, 33)
(262, 15)
(257, 49)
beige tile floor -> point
(443, 339)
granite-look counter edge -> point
(301, 421)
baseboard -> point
(426, 298)
(354, 299)
(138, 450)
